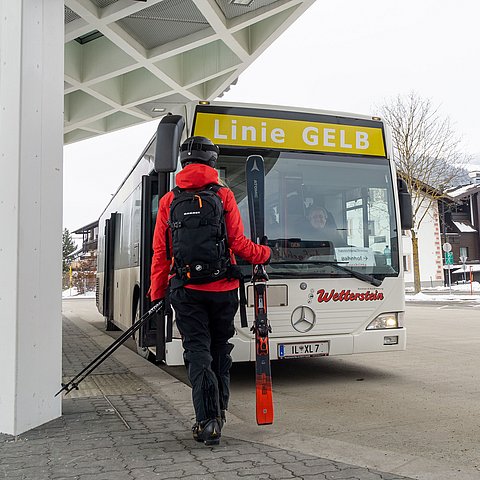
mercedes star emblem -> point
(303, 319)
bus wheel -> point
(110, 326)
(144, 352)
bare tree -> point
(427, 154)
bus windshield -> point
(323, 211)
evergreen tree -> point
(68, 247)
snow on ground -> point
(465, 287)
(423, 297)
(457, 293)
(73, 293)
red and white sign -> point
(348, 296)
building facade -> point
(429, 247)
(460, 227)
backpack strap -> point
(167, 244)
(175, 191)
(214, 187)
(169, 317)
(243, 303)
(234, 271)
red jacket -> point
(196, 176)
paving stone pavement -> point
(140, 436)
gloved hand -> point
(264, 241)
(269, 258)
(153, 303)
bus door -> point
(153, 188)
(109, 267)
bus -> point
(335, 295)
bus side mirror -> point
(405, 203)
(169, 134)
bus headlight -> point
(385, 320)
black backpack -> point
(199, 236)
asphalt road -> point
(424, 401)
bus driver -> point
(322, 227)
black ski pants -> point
(205, 321)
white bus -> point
(325, 297)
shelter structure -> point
(128, 61)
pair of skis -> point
(255, 175)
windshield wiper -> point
(361, 276)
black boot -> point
(207, 431)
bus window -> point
(355, 217)
(154, 208)
(355, 192)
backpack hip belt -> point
(214, 267)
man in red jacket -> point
(204, 313)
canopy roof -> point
(130, 61)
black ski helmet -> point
(198, 150)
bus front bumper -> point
(368, 341)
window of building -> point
(407, 263)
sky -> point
(343, 55)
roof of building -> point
(464, 226)
(473, 268)
(86, 228)
(464, 190)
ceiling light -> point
(158, 109)
(243, 3)
(89, 37)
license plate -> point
(306, 349)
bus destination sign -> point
(263, 132)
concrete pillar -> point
(31, 126)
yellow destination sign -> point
(263, 132)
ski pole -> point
(74, 382)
